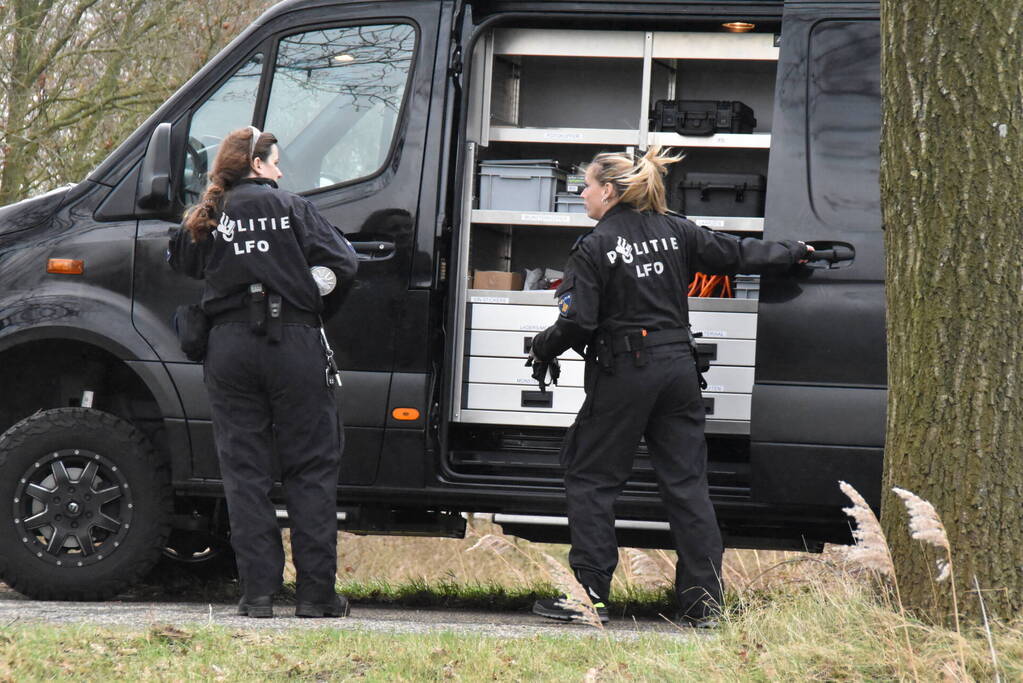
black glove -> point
(541, 368)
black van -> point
(441, 138)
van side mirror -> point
(155, 178)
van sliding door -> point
(818, 412)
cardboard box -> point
(496, 279)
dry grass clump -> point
(501, 559)
(835, 627)
(789, 616)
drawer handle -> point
(527, 344)
(537, 399)
(708, 404)
(708, 351)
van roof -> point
(752, 8)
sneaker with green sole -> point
(555, 608)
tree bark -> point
(952, 198)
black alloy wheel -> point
(72, 507)
(85, 505)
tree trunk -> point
(952, 198)
(18, 151)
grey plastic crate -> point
(570, 203)
(520, 184)
(746, 287)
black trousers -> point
(268, 398)
(661, 402)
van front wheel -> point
(85, 505)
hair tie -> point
(252, 146)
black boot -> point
(338, 607)
(261, 606)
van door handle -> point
(373, 251)
(829, 255)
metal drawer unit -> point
(484, 370)
(498, 387)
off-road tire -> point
(90, 470)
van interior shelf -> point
(581, 220)
(632, 44)
(736, 140)
(624, 137)
(579, 136)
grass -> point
(789, 616)
(831, 628)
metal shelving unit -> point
(498, 88)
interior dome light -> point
(738, 26)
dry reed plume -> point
(870, 549)
(925, 525)
(643, 569)
(493, 543)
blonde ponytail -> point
(636, 181)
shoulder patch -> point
(565, 303)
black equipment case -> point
(702, 117)
(722, 194)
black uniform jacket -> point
(269, 236)
(632, 272)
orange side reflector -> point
(406, 414)
(65, 266)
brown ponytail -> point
(231, 165)
(636, 181)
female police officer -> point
(267, 366)
(623, 299)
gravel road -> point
(17, 609)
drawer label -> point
(714, 333)
(553, 135)
(489, 299)
(546, 218)
(715, 387)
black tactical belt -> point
(643, 339)
(289, 316)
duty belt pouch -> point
(605, 354)
(192, 326)
(635, 344)
(274, 320)
(257, 308)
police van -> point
(443, 139)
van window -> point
(229, 107)
(844, 126)
(334, 101)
